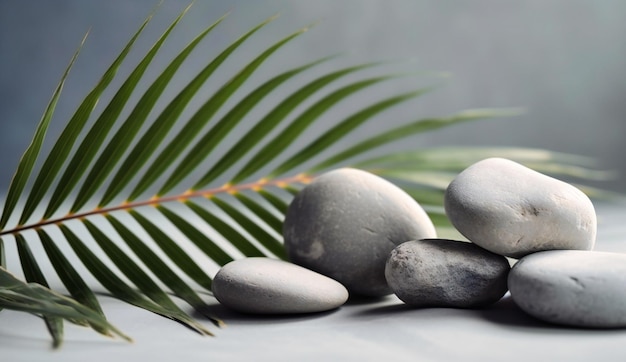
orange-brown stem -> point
(157, 200)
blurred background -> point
(563, 61)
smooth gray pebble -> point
(345, 223)
(572, 287)
(270, 286)
(512, 210)
(446, 273)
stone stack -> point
(351, 232)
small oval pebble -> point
(269, 286)
(345, 223)
(446, 273)
(512, 210)
(572, 287)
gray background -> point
(563, 61)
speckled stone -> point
(572, 287)
(345, 223)
(512, 210)
(446, 273)
(270, 286)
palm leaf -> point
(33, 274)
(173, 251)
(266, 239)
(149, 249)
(210, 139)
(152, 261)
(261, 211)
(159, 129)
(3, 259)
(129, 129)
(39, 300)
(268, 123)
(27, 162)
(75, 285)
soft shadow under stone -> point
(507, 313)
(386, 310)
(230, 316)
(504, 312)
(362, 300)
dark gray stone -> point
(572, 287)
(345, 223)
(512, 210)
(446, 273)
(270, 286)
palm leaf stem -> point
(154, 201)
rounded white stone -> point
(446, 273)
(572, 287)
(270, 286)
(512, 210)
(345, 223)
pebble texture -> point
(269, 286)
(345, 223)
(512, 210)
(572, 287)
(446, 273)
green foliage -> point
(128, 246)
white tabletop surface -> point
(359, 331)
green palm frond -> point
(37, 299)
(109, 191)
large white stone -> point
(512, 210)
(270, 286)
(572, 287)
(446, 273)
(345, 223)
